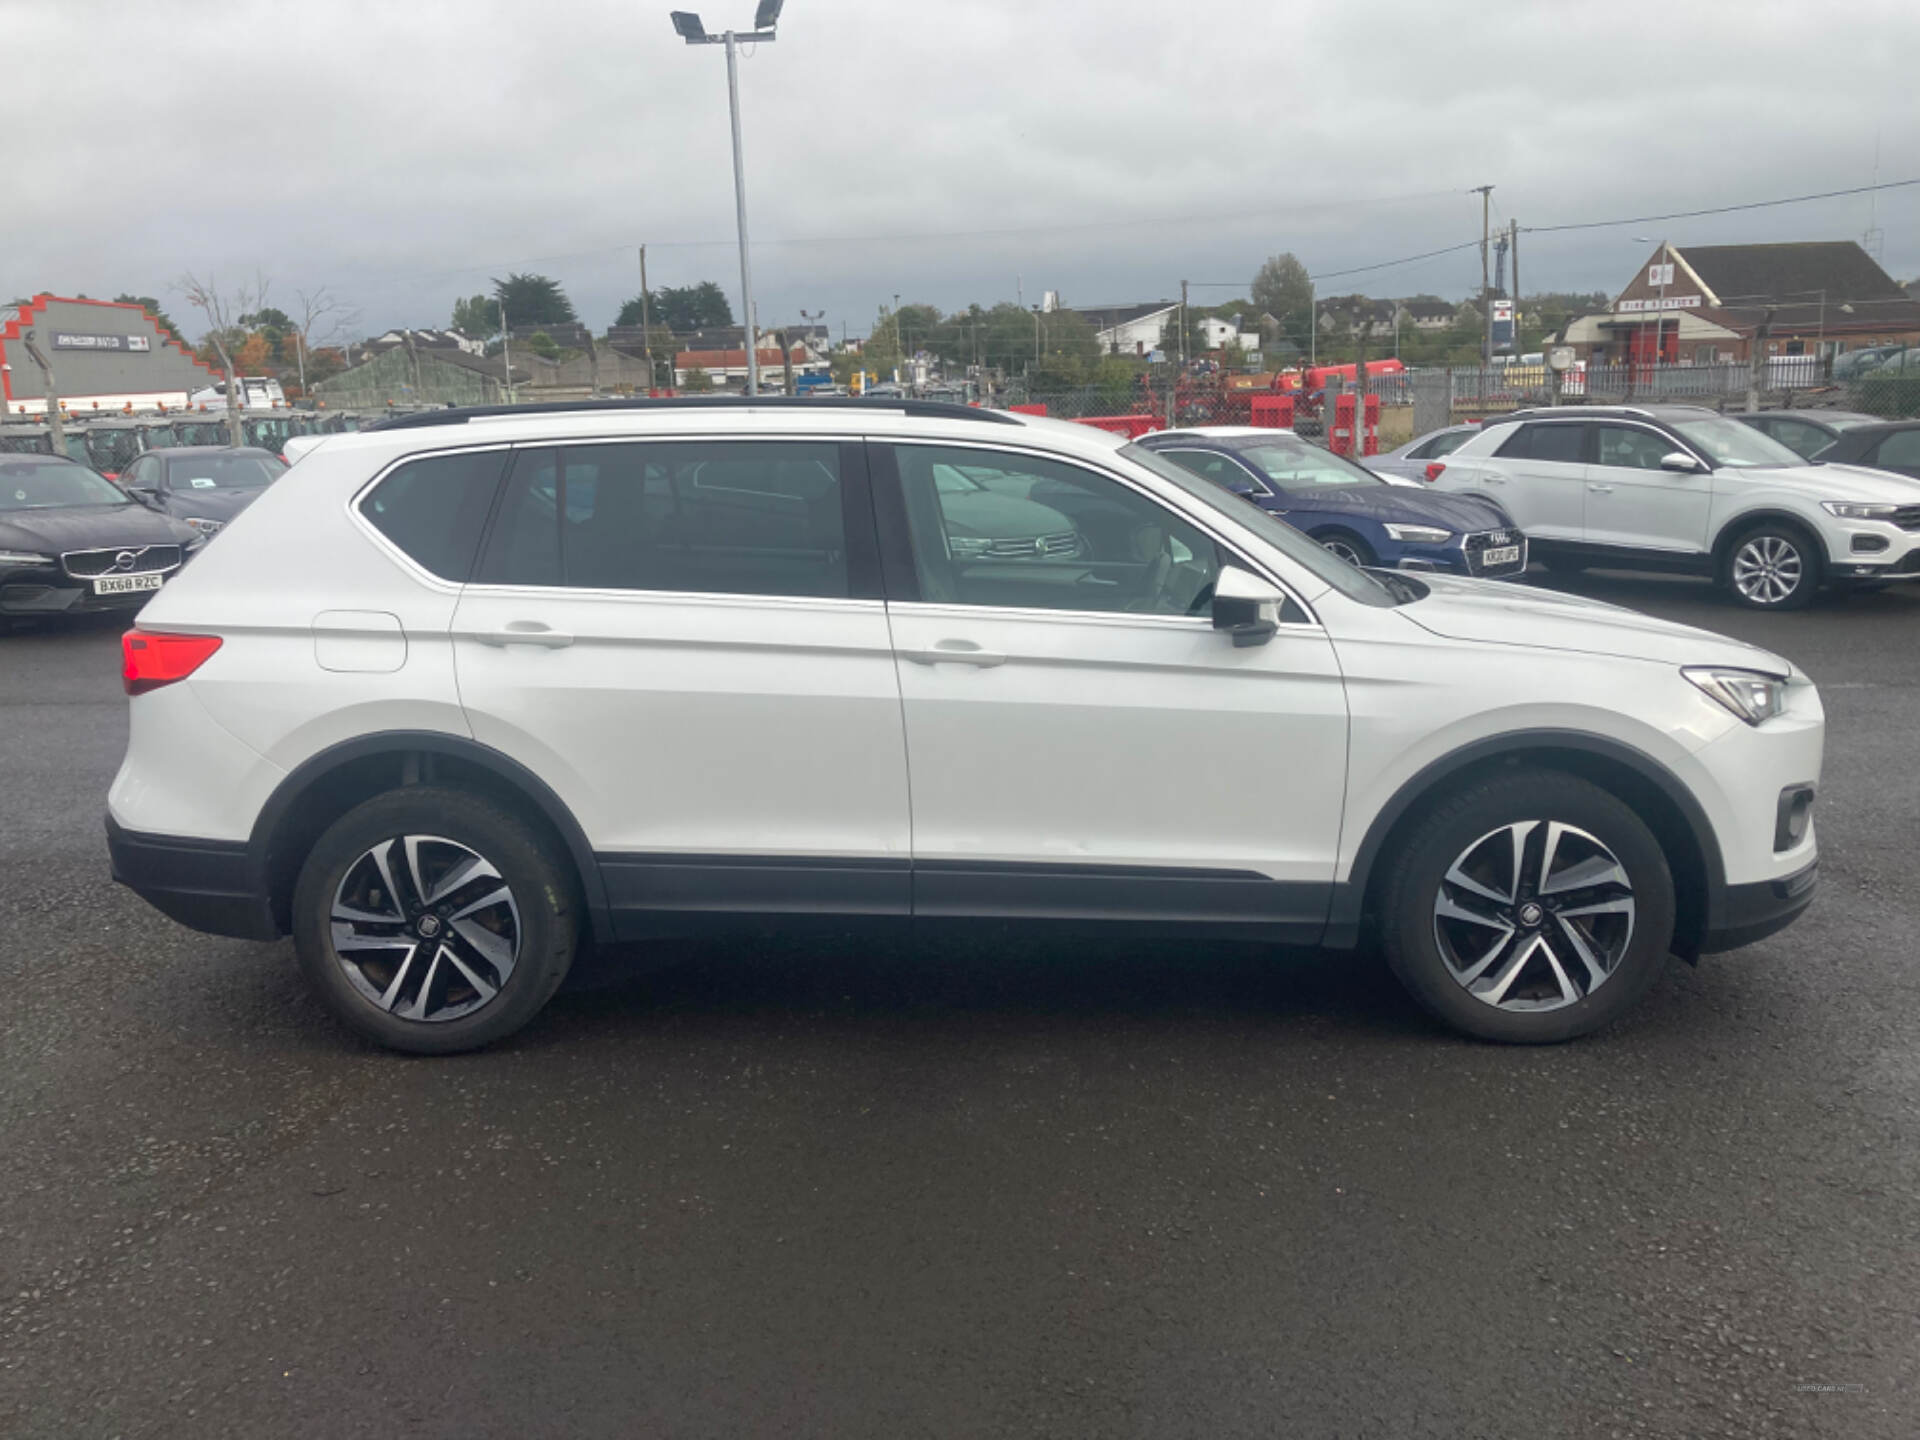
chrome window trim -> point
(406, 562)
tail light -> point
(1434, 467)
(149, 660)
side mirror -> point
(1679, 460)
(1245, 606)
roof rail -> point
(460, 415)
(1570, 411)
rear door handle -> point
(525, 632)
(1601, 489)
(1496, 479)
(954, 652)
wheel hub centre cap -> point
(1531, 913)
(429, 926)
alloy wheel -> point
(1767, 569)
(425, 928)
(1344, 551)
(1535, 915)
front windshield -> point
(225, 472)
(42, 486)
(1728, 442)
(1350, 581)
(1296, 465)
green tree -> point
(533, 300)
(543, 345)
(152, 307)
(477, 316)
(683, 308)
(698, 381)
(1282, 289)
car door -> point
(1082, 743)
(1542, 478)
(1632, 501)
(1898, 451)
(686, 640)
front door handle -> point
(525, 632)
(1601, 489)
(954, 652)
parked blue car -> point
(1353, 512)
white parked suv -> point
(1678, 487)
(467, 690)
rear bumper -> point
(208, 885)
(1746, 913)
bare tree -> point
(223, 309)
(318, 308)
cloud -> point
(946, 150)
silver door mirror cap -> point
(1681, 461)
(1245, 606)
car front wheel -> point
(433, 920)
(1529, 908)
(1773, 567)
(1348, 546)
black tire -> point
(544, 915)
(1411, 927)
(1347, 545)
(1784, 546)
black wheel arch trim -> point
(1350, 897)
(400, 743)
(1740, 526)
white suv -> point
(1677, 487)
(462, 692)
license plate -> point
(1505, 555)
(125, 584)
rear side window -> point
(726, 518)
(1562, 443)
(435, 508)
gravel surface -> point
(839, 1186)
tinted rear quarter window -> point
(434, 508)
(1565, 444)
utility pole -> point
(1513, 246)
(506, 348)
(1486, 284)
(1757, 359)
(54, 425)
(646, 322)
(1183, 324)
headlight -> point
(23, 557)
(1855, 510)
(963, 546)
(205, 527)
(1420, 534)
(1750, 694)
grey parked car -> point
(204, 485)
(1805, 432)
(1410, 461)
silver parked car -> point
(1410, 461)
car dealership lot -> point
(842, 1186)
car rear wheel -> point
(1530, 908)
(1773, 566)
(1348, 546)
(433, 920)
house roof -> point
(1107, 317)
(1750, 274)
(734, 359)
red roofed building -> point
(728, 368)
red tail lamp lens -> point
(149, 660)
(1434, 467)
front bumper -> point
(208, 885)
(1746, 913)
(1461, 556)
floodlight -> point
(687, 26)
(768, 15)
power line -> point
(1724, 209)
(1390, 264)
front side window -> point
(434, 508)
(1211, 465)
(1628, 448)
(711, 517)
(1901, 450)
(1800, 437)
(1030, 533)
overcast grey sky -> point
(403, 151)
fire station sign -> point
(124, 344)
(1672, 302)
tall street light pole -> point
(687, 26)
